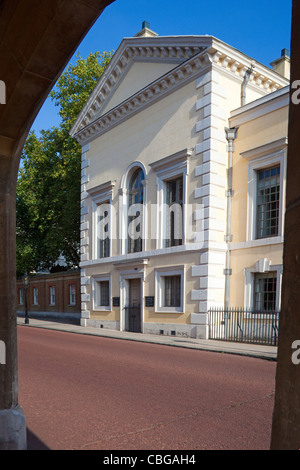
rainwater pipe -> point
(245, 83)
(231, 135)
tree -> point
(48, 189)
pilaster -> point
(84, 235)
(210, 193)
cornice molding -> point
(174, 159)
(196, 57)
(148, 95)
(266, 149)
(102, 189)
(173, 50)
(135, 263)
(267, 104)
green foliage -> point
(48, 189)
(76, 84)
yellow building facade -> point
(258, 205)
(165, 233)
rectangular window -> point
(52, 295)
(102, 294)
(35, 296)
(174, 215)
(72, 294)
(169, 290)
(265, 290)
(21, 297)
(172, 291)
(136, 211)
(103, 239)
(268, 202)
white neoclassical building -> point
(161, 192)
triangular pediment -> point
(144, 69)
(138, 75)
(138, 62)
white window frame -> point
(96, 238)
(95, 293)
(35, 296)
(102, 194)
(261, 158)
(262, 267)
(159, 289)
(123, 207)
(72, 301)
(167, 169)
(21, 296)
(52, 292)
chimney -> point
(283, 64)
(146, 31)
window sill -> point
(102, 309)
(257, 242)
(169, 310)
(186, 248)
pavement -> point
(242, 349)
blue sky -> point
(259, 29)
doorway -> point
(133, 309)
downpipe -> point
(231, 135)
(245, 83)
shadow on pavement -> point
(34, 443)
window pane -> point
(265, 292)
(21, 296)
(72, 295)
(104, 293)
(103, 232)
(172, 294)
(35, 296)
(268, 202)
(174, 217)
(52, 295)
(135, 197)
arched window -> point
(135, 211)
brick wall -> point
(65, 301)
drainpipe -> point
(245, 83)
(231, 135)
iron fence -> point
(244, 326)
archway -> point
(37, 38)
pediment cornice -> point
(193, 57)
(155, 49)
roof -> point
(190, 56)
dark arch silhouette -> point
(37, 38)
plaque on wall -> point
(149, 301)
(116, 301)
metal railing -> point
(244, 326)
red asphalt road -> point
(86, 392)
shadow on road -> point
(34, 443)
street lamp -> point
(26, 285)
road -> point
(83, 392)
